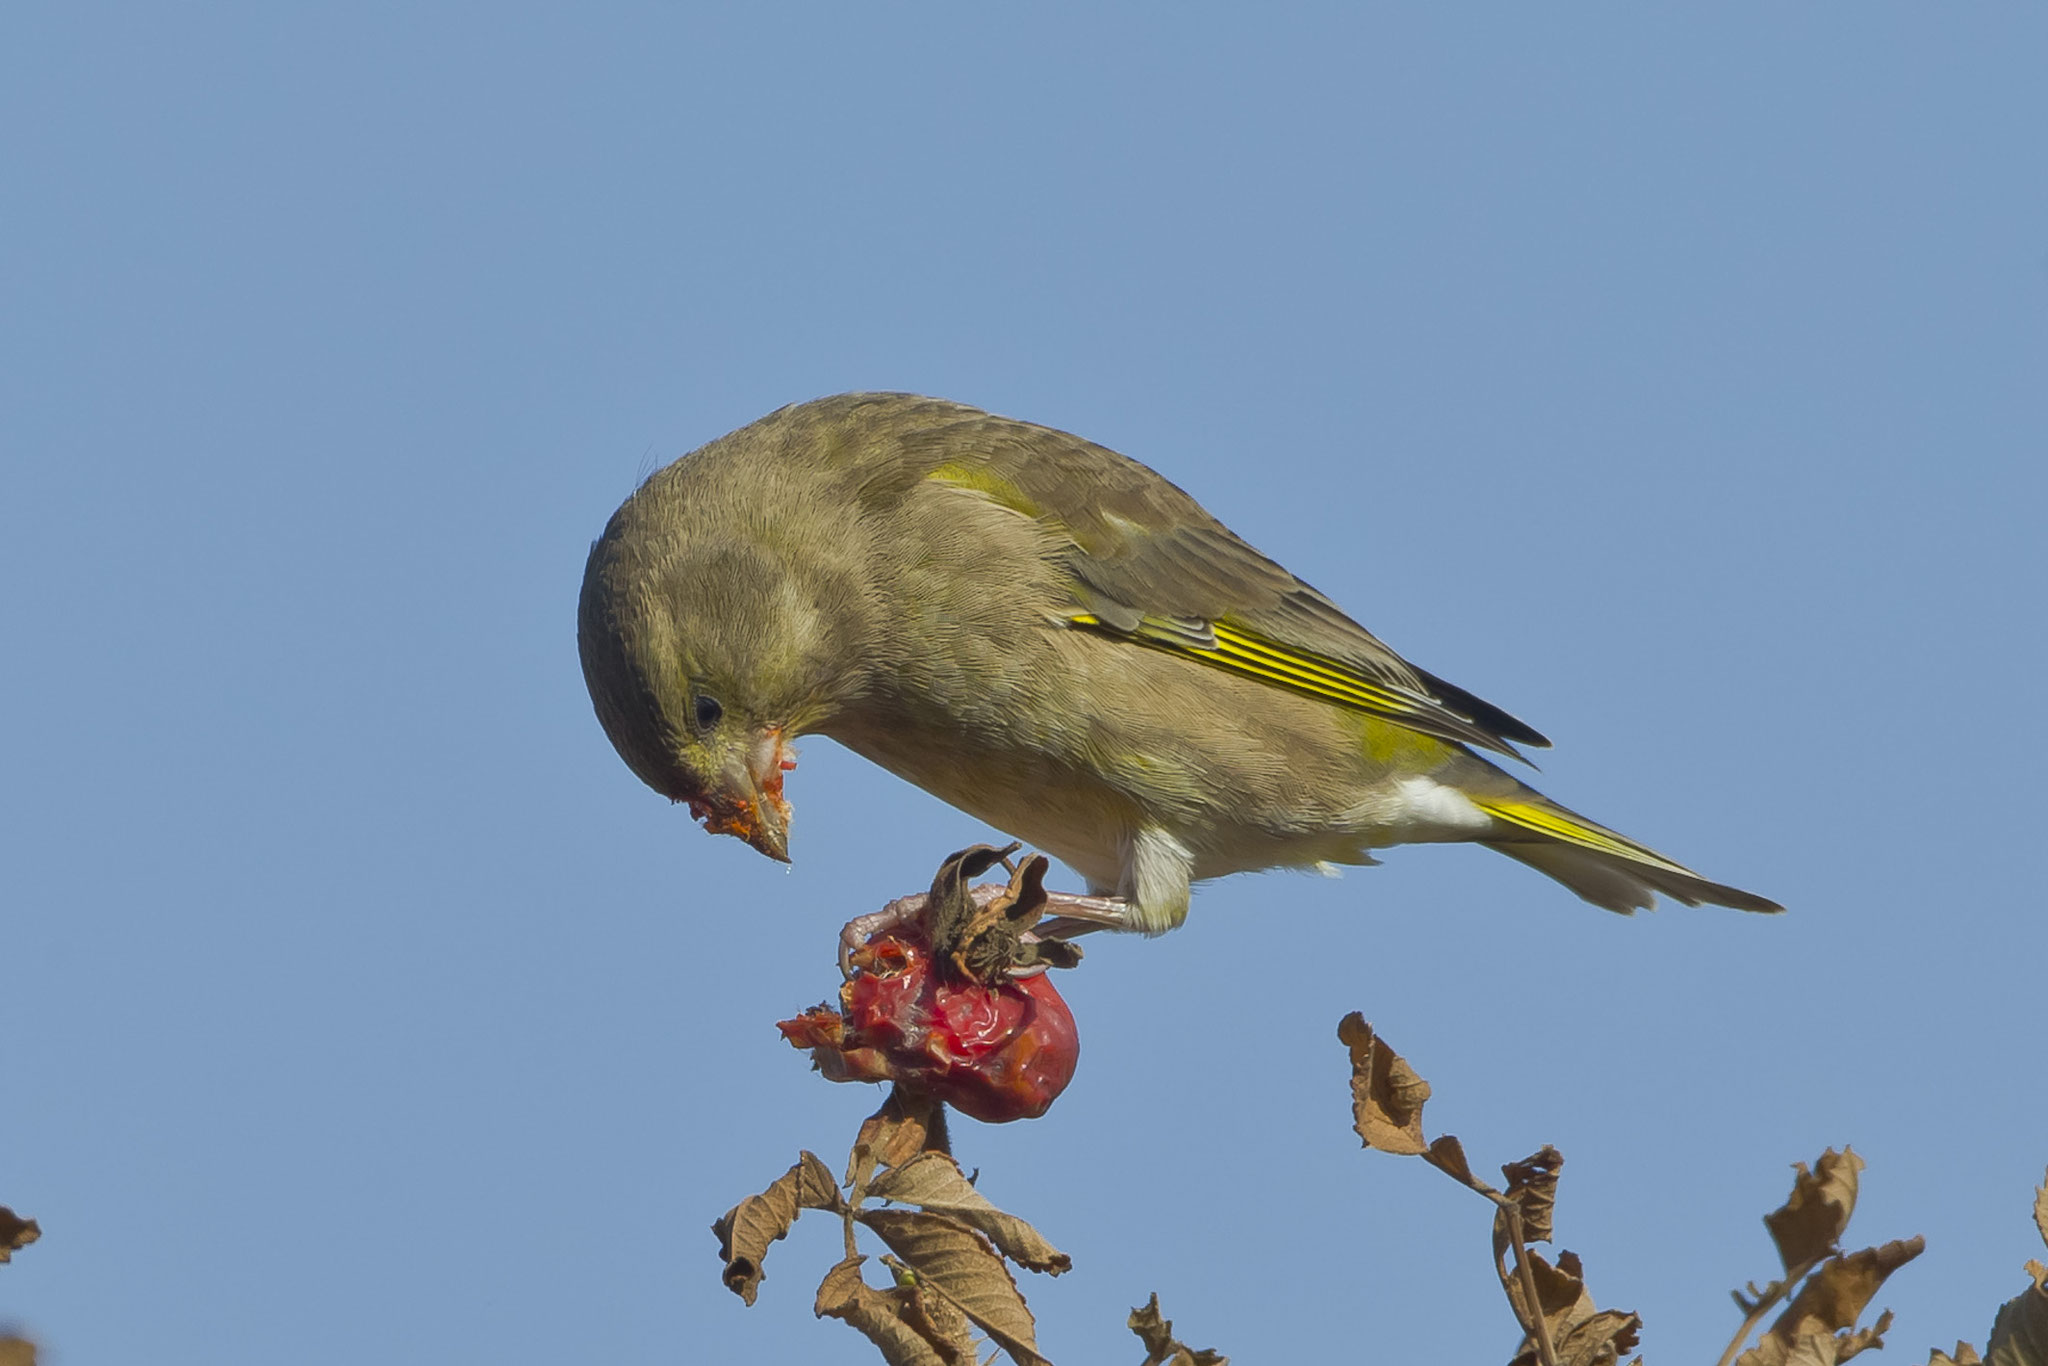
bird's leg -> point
(1074, 915)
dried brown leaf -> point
(1162, 1348)
(748, 1227)
(1447, 1155)
(16, 1351)
(934, 1181)
(905, 1126)
(1580, 1333)
(815, 1188)
(1835, 1296)
(1863, 1339)
(1966, 1355)
(1532, 1185)
(2019, 1335)
(1559, 1288)
(1561, 1295)
(894, 1320)
(1386, 1093)
(15, 1233)
(1599, 1339)
(1809, 1225)
(953, 1259)
(949, 905)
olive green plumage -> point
(1051, 637)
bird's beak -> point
(748, 802)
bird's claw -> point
(904, 910)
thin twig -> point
(1512, 1215)
(1768, 1300)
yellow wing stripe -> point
(1246, 654)
(1307, 672)
(1556, 824)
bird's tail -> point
(1607, 869)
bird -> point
(1055, 639)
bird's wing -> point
(1148, 565)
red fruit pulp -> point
(998, 1053)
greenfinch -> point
(1053, 638)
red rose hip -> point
(998, 1052)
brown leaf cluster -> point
(1561, 1325)
(1578, 1332)
(1819, 1327)
(15, 1233)
(950, 1248)
(1824, 1290)
(1828, 1289)
(16, 1351)
(951, 1251)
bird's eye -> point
(708, 711)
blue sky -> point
(1673, 379)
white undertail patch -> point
(1436, 806)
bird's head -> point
(707, 649)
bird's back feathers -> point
(1145, 561)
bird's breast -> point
(1027, 791)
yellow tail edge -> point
(1560, 824)
(1653, 869)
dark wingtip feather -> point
(1740, 900)
(1484, 713)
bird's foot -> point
(993, 928)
